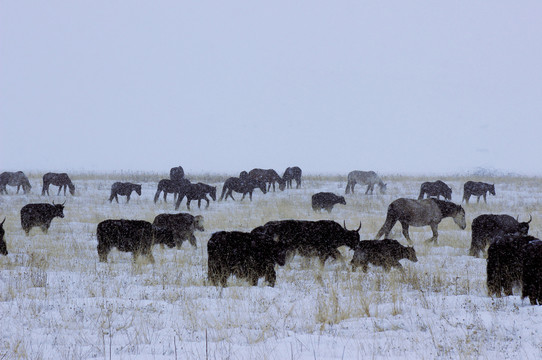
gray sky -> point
(224, 86)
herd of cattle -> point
(513, 256)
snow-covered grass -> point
(57, 301)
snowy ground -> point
(58, 302)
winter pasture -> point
(57, 301)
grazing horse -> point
(170, 186)
(292, 173)
(477, 189)
(269, 176)
(369, 178)
(14, 179)
(198, 192)
(243, 185)
(421, 213)
(176, 173)
(62, 180)
(436, 188)
(124, 189)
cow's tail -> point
(391, 219)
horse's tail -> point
(224, 189)
(348, 187)
(391, 219)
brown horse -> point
(421, 213)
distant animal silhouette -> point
(292, 173)
(437, 188)
(477, 189)
(369, 178)
(269, 176)
(244, 185)
(62, 180)
(124, 189)
(17, 178)
(168, 186)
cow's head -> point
(198, 223)
(3, 247)
(410, 254)
(58, 210)
(523, 227)
(351, 237)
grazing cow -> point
(176, 173)
(486, 227)
(385, 253)
(244, 185)
(436, 188)
(505, 263)
(40, 215)
(477, 189)
(326, 200)
(292, 173)
(245, 255)
(369, 178)
(124, 189)
(62, 180)
(269, 176)
(3, 246)
(311, 238)
(532, 272)
(197, 192)
(14, 179)
(182, 226)
(135, 236)
(174, 187)
(410, 212)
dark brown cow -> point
(326, 200)
(385, 253)
(245, 255)
(182, 226)
(486, 227)
(135, 236)
(3, 246)
(40, 215)
(532, 272)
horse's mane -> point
(447, 208)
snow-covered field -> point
(58, 302)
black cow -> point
(477, 189)
(174, 187)
(197, 192)
(385, 253)
(244, 185)
(62, 180)
(182, 226)
(124, 189)
(311, 238)
(505, 263)
(436, 188)
(40, 215)
(135, 236)
(292, 173)
(176, 173)
(488, 226)
(245, 255)
(269, 176)
(532, 272)
(3, 246)
(17, 178)
(326, 200)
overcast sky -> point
(224, 86)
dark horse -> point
(124, 189)
(477, 189)
(170, 186)
(292, 173)
(436, 188)
(198, 192)
(421, 213)
(176, 173)
(269, 176)
(14, 179)
(243, 185)
(62, 180)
